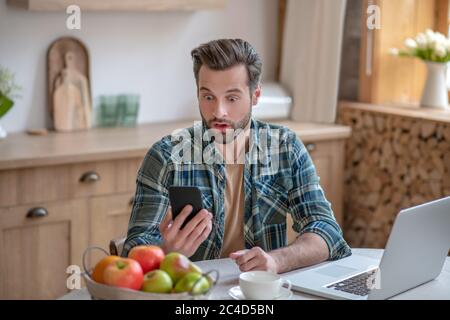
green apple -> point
(157, 281)
(176, 265)
(189, 283)
(195, 268)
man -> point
(245, 202)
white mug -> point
(262, 285)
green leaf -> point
(5, 105)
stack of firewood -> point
(392, 162)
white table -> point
(229, 273)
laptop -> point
(415, 254)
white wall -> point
(145, 53)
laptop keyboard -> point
(359, 285)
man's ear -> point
(256, 95)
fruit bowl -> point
(100, 291)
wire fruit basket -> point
(99, 291)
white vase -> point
(3, 133)
(435, 94)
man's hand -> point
(254, 259)
(187, 240)
(307, 250)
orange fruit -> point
(100, 267)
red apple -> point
(177, 265)
(124, 273)
(148, 256)
(99, 269)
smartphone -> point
(181, 196)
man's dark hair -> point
(226, 53)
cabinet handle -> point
(311, 147)
(89, 177)
(131, 201)
(37, 212)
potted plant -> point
(434, 49)
(9, 90)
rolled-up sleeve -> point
(311, 211)
(151, 202)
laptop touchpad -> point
(336, 271)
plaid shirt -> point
(271, 191)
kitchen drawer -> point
(103, 178)
(37, 243)
(52, 183)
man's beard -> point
(236, 127)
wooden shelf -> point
(118, 5)
(410, 111)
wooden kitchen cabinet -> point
(109, 216)
(86, 182)
(328, 158)
(35, 251)
(71, 215)
(83, 183)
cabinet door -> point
(35, 251)
(384, 78)
(328, 158)
(109, 216)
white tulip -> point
(447, 44)
(394, 51)
(421, 41)
(440, 51)
(430, 38)
(429, 33)
(435, 45)
(440, 38)
(410, 43)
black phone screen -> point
(181, 196)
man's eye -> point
(208, 98)
(232, 99)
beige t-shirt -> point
(234, 155)
(234, 210)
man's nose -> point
(220, 110)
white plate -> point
(237, 294)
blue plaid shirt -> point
(284, 181)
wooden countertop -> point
(411, 111)
(20, 150)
